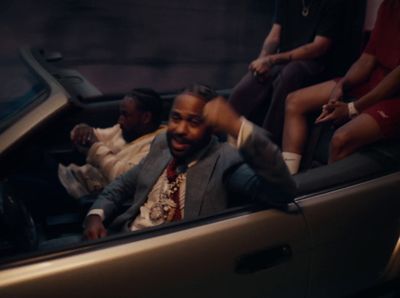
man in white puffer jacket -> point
(112, 151)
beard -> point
(185, 149)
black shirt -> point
(297, 29)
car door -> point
(354, 231)
(241, 253)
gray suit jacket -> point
(205, 189)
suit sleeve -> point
(264, 176)
(120, 191)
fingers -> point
(219, 114)
(95, 233)
(259, 66)
(324, 118)
(260, 69)
(89, 234)
(321, 117)
(84, 136)
(212, 109)
(337, 112)
(327, 109)
(94, 228)
(253, 65)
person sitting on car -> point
(112, 151)
(183, 175)
(373, 84)
(294, 55)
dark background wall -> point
(124, 43)
(119, 44)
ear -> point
(146, 117)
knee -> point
(293, 103)
(340, 139)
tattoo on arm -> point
(269, 48)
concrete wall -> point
(121, 44)
(124, 43)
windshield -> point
(20, 90)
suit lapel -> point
(197, 180)
(150, 173)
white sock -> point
(292, 161)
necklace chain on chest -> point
(172, 187)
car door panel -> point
(193, 262)
(354, 231)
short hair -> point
(202, 91)
(148, 100)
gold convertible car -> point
(339, 237)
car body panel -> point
(200, 261)
(354, 231)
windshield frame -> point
(54, 100)
(40, 90)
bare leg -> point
(293, 76)
(356, 133)
(298, 105)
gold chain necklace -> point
(165, 208)
(306, 9)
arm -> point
(106, 154)
(358, 73)
(362, 68)
(108, 134)
(388, 87)
(82, 135)
(271, 42)
(339, 111)
(117, 192)
(110, 164)
(265, 159)
(258, 151)
(108, 202)
(315, 49)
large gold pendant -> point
(163, 210)
(305, 11)
(156, 213)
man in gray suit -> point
(183, 175)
